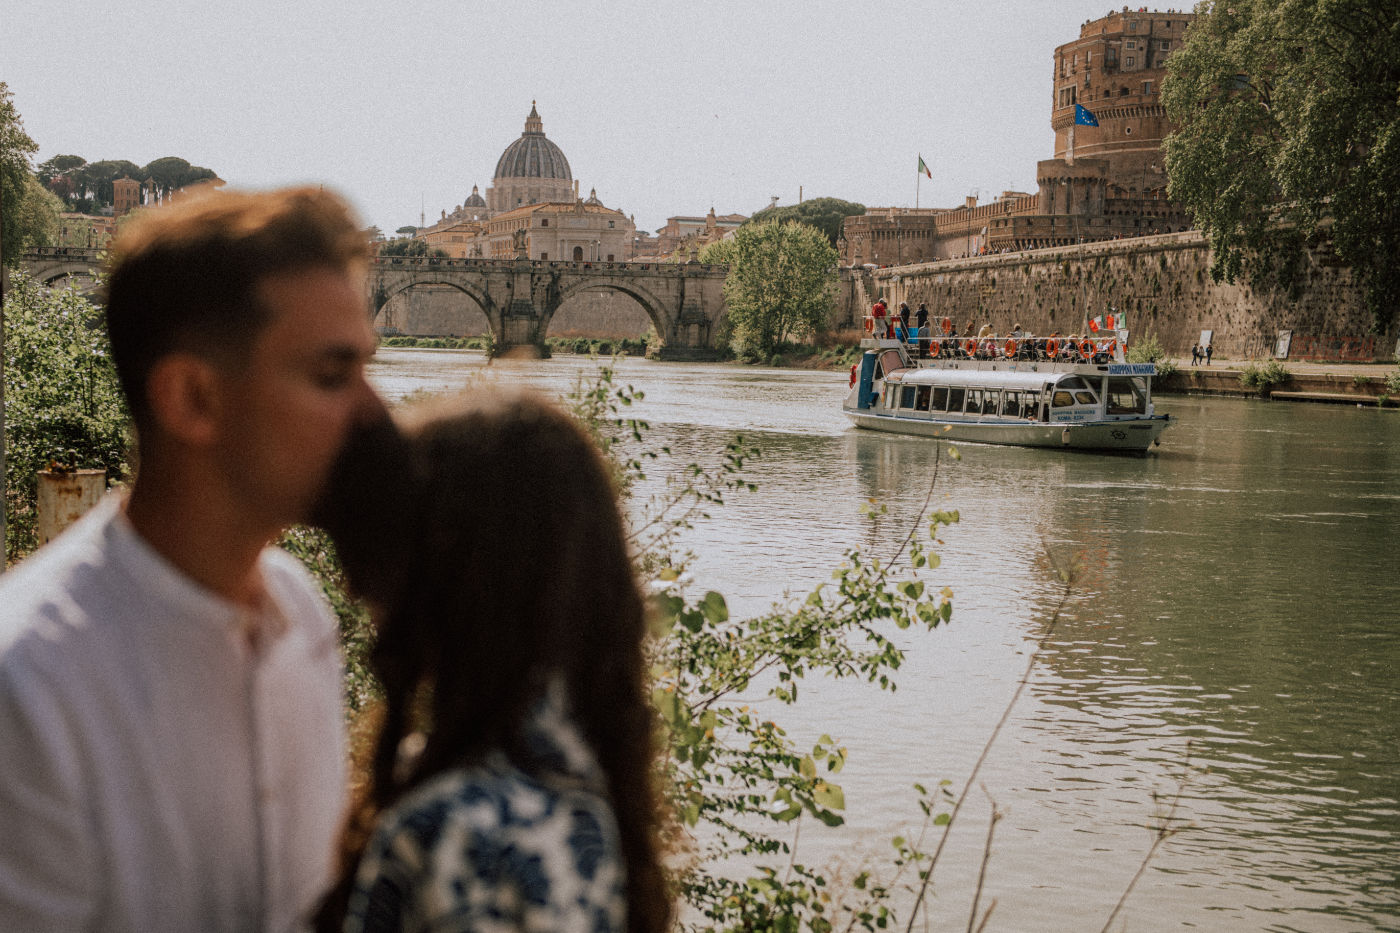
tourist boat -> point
(1030, 392)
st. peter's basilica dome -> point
(531, 170)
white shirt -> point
(156, 773)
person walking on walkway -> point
(1210, 350)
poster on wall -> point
(1283, 344)
(1206, 335)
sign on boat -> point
(1025, 391)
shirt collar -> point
(255, 627)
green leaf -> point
(714, 608)
(829, 795)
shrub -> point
(62, 401)
(1264, 378)
(1392, 383)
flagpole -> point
(918, 178)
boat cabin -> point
(975, 395)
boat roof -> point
(980, 378)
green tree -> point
(409, 230)
(58, 174)
(171, 173)
(826, 214)
(63, 403)
(95, 178)
(1288, 120)
(781, 284)
(16, 149)
(406, 246)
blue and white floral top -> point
(489, 848)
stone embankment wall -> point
(1161, 285)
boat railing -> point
(938, 344)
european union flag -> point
(1084, 116)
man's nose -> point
(368, 405)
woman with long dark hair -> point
(510, 787)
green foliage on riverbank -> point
(1264, 378)
(31, 213)
(63, 404)
(1287, 116)
(738, 785)
(781, 285)
(434, 343)
(1150, 350)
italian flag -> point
(924, 168)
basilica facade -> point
(533, 210)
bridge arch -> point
(655, 308)
(384, 295)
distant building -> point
(1105, 181)
(126, 195)
(534, 191)
(695, 232)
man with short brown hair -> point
(171, 747)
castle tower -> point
(1115, 70)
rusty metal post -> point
(65, 496)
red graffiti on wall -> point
(1354, 349)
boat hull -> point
(1136, 434)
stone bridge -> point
(685, 301)
(49, 265)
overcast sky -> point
(666, 108)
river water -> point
(1234, 643)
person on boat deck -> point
(923, 340)
(921, 316)
(880, 313)
(986, 331)
(904, 315)
(1016, 331)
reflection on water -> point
(1236, 627)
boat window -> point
(1062, 400)
(1029, 402)
(955, 398)
(990, 402)
(906, 398)
(974, 401)
(1127, 395)
(890, 362)
(922, 403)
(1085, 397)
(940, 398)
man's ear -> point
(183, 393)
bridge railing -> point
(653, 268)
(62, 252)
